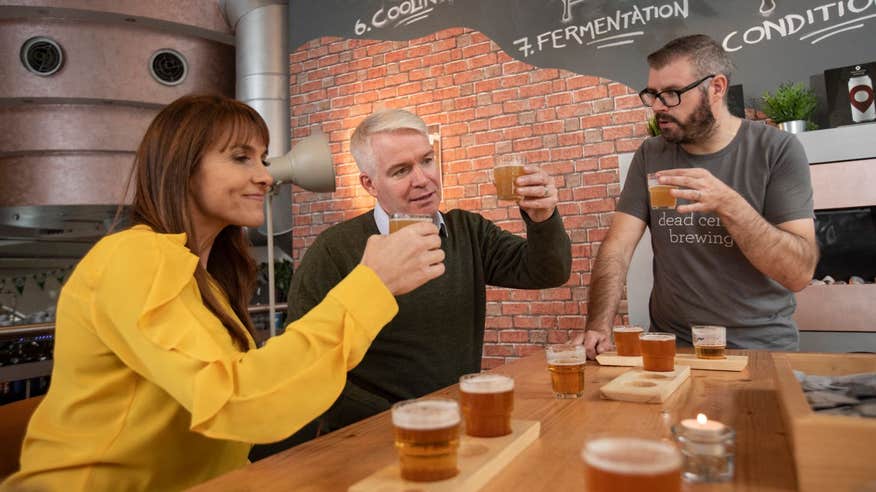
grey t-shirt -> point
(700, 275)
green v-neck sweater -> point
(438, 333)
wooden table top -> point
(745, 400)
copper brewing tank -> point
(68, 137)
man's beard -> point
(699, 125)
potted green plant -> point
(653, 126)
(790, 106)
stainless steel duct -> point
(261, 34)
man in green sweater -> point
(438, 333)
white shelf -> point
(845, 143)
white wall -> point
(640, 276)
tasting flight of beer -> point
(428, 430)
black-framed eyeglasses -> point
(670, 97)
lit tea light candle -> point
(702, 428)
(708, 447)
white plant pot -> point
(796, 126)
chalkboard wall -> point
(771, 41)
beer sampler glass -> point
(626, 340)
(658, 351)
(566, 365)
(619, 464)
(487, 401)
(508, 167)
(397, 221)
(659, 193)
(427, 438)
(710, 342)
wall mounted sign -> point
(772, 41)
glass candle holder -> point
(708, 456)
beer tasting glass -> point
(659, 193)
(427, 438)
(626, 340)
(658, 351)
(397, 221)
(487, 401)
(709, 341)
(614, 464)
(566, 365)
(508, 167)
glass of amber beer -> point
(658, 351)
(508, 167)
(487, 401)
(709, 341)
(397, 221)
(659, 193)
(626, 340)
(615, 464)
(427, 438)
(566, 365)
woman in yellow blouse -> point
(157, 382)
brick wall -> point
(486, 103)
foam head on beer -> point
(486, 383)
(631, 463)
(426, 414)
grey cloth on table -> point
(852, 394)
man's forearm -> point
(785, 257)
(606, 288)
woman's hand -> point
(406, 259)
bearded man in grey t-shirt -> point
(741, 237)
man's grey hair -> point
(388, 120)
(705, 54)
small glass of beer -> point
(427, 438)
(614, 464)
(487, 401)
(566, 365)
(709, 341)
(659, 193)
(397, 221)
(658, 351)
(626, 340)
(508, 167)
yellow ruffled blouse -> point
(148, 390)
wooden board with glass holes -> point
(643, 386)
(479, 460)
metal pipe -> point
(261, 32)
(29, 329)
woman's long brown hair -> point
(176, 141)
